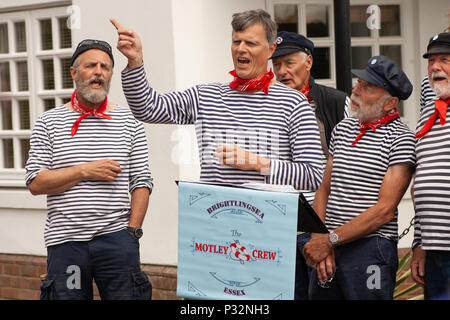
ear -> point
(73, 73)
(272, 48)
(390, 104)
(309, 62)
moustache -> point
(99, 80)
(441, 75)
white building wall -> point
(185, 43)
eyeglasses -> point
(89, 42)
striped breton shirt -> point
(359, 170)
(280, 126)
(426, 93)
(90, 208)
(432, 184)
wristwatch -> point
(137, 232)
(334, 239)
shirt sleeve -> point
(140, 176)
(346, 106)
(403, 150)
(149, 106)
(304, 171)
(417, 240)
(41, 150)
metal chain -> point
(405, 232)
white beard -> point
(366, 113)
(94, 96)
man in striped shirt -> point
(370, 166)
(292, 63)
(88, 156)
(250, 130)
(430, 266)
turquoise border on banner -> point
(235, 243)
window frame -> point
(319, 42)
(405, 40)
(14, 177)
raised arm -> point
(129, 43)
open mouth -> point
(243, 60)
(438, 78)
(355, 104)
(285, 81)
(96, 84)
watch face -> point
(138, 232)
(333, 238)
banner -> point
(236, 243)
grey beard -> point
(94, 96)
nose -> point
(98, 69)
(279, 70)
(356, 89)
(241, 47)
(434, 65)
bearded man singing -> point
(370, 167)
(430, 265)
(87, 156)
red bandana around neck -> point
(305, 91)
(251, 84)
(440, 107)
(78, 107)
(374, 125)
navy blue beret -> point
(384, 73)
(290, 42)
(439, 44)
(89, 44)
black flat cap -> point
(89, 44)
(384, 73)
(439, 44)
(290, 42)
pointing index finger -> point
(116, 24)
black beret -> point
(439, 44)
(290, 42)
(89, 44)
(384, 73)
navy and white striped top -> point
(90, 208)
(280, 126)
(359, 170)
(426, 93)
(432, 184)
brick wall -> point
(20, 278)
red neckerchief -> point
(440, 107)
(78, 107)
(251, 84)
(374, 125)
(305, 91)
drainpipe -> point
(343, 45)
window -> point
(35, 53)
(382, 38)
(391, 37)
(313, 19)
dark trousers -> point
(112, 260)
(365, 270)
(437, 275)
(302, 271)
